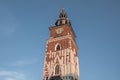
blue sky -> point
(24, 30)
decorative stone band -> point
(61, 38)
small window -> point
(60, 22)
(57, 69)
(58, 48)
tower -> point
(61, 59)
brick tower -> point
(61, 59)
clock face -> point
(59, 30)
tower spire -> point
(63, 14)
(63, 19)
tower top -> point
(63, 19)
(63, 14)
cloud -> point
(24, 62)
(11, 75)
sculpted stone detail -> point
(65, 59)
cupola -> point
(62, 19)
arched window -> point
(57, 69)
(58, 48)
